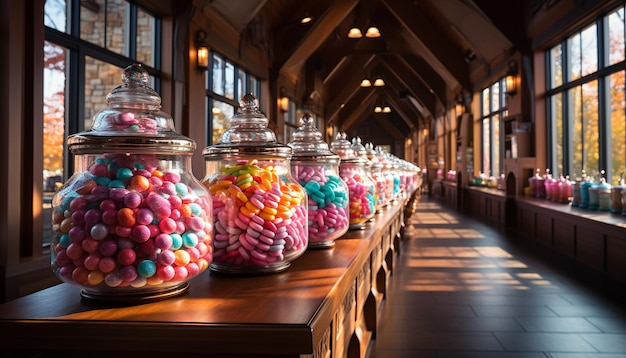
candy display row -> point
(129, 221)
(260, 217)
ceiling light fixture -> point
(372, 32)
(366, 83)
(355, 33)
(379, 82)
(306, 19)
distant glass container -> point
(616, 197)
(352, 172)
(584, 192)
(604, 195)
(565, 190)
(132, 224)
(259, 209)
(379, 178)
(317, 170)
(361, 152)
(576, 199)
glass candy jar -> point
(352, 172)
(132, 224)
(359, 150)
(380, 182)
(317, 170)
(259, 210)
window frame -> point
(499, 110)
(601, 76)
(251, 82)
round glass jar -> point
(317, 170)
(259, 210)
(132, 224)
(352, 172)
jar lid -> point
(307, 141)
(370, 152)
(132, 121)
(343, 148)
(248, 134)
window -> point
(493, 109)
(586, 100)
(87, 46)
(226, 85)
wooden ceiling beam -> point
(319, 32)
(425, 36)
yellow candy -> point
(267, 216)
(246, 211)
(270, 211)
(252, 208)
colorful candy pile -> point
(328, 203)
(260, 218)
(127, 223)
(360, 193)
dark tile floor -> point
(463, 289)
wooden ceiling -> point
(430, 51)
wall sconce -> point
(283, 103)
(202, 59)
(511, 78)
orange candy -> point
(139, 183)
(126, 217)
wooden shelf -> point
(326, 302)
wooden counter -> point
(325, 305)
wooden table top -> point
(276, 313)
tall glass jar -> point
(317, 170)
(360, 151)
(132, 224)
(584, 191)
(380, 182)
(616, 196)
(259, 210)
(352, 172)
